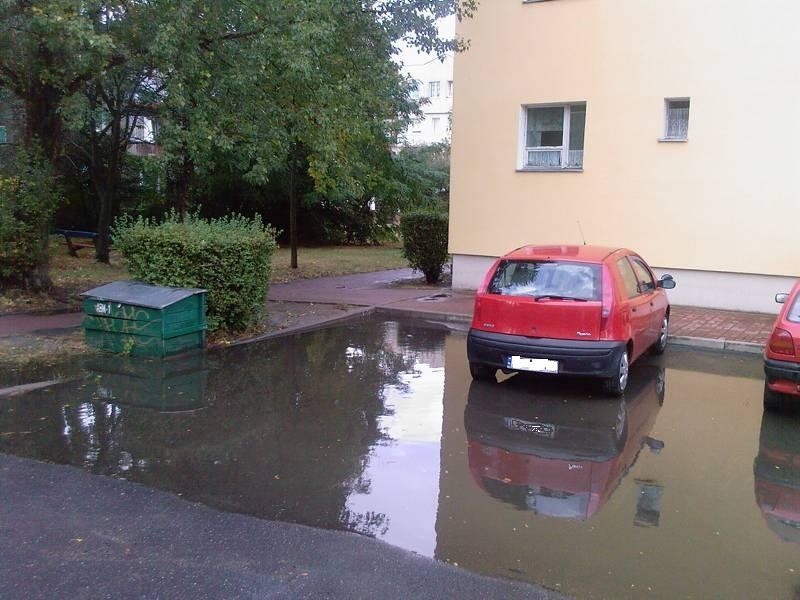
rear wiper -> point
(557, 297)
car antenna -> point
(581, 230)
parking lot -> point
(682, 489)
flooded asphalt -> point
(684, 489)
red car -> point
(571, 310)
(782, 354)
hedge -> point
(425, 242)
(230, 257)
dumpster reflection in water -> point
(543, 445)
(777, 474)
(167, 385)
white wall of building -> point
(435, 89)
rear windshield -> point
(580, 281)
(794, 312)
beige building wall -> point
(724, 201)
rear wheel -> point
(663, 334)
(616, 385)
(482, 372)
(772, 400)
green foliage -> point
(28, 198)
(231, 257)
(425, 242)
(423, 173)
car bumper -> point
(782, 376)
(575, 357)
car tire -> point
(772, 400)
(616, 385)
(482, 372)
(663, 333)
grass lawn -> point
(326, 261)
(71, 275)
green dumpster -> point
(137, 319)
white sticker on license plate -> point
(541, 429)
(538, 365)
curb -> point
(719, 344)
(350, 314)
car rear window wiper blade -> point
(558, 297)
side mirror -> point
(666, 282)
(781, 298)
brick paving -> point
(732, 326)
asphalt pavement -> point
(67, 534)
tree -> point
(48, 51)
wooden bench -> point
(70, 234)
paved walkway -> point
(400, 290)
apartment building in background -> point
(665, 127)
(434, 88)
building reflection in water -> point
(543, 445)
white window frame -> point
(563, 148)
(449, 88)
(438, 89)
(664, 137)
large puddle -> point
(683, 490)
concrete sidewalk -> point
(400, 291)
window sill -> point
(673, 140)
(550, 170)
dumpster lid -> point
(141, 294)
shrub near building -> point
(231, 257)
(425, 242)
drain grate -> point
(434, 298)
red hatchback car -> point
(571, 310)
(782, 354)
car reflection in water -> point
(551, 448)
(777, 474)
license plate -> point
(538, 365)
(541, 429)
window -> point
(676, 121)
(435, 122)
(794, 312)
(434, 89)
(416, 89)
(450, 88)
(554, 136)
(580, 281)
(628, 277)
(644, 275)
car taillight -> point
(476, 315)
(781, 342)
(607, 305)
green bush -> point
(231, 257)
(28, 198)
(425, 242)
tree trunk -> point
(179, 186)
(292, 213)
(43, 123)
(103, 246)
